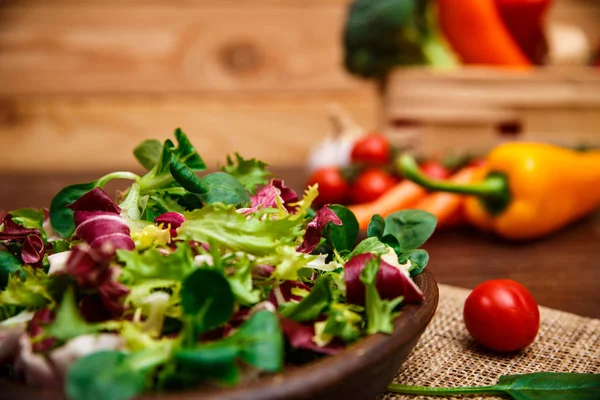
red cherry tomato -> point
(502, 315)
(370, 184)
(435, 170)
(371, 149)
(333, 187)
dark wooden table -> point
(561, 271)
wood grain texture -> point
(154, 48)
(66, 133)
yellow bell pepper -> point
(525, 190)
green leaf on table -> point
(152, 264)
(408, 229)
(69, 323)
(376, 226)
(380, 313)
(207, 299)
(311, 306)
(550, 386)
(224, 226)
(534, 386)
(148, 153)
(342, 237)
(251, 173)
(258, 342)
(418, 258)
(9, 265)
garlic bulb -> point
(335, 149)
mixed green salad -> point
(187, 279)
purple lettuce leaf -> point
(300, 336)
(95, 200)
(91, 268)
(267, 196)
(283, 293)
(33, 250)
(171, 219)
(36, 327)
(101, 229)
(12, 231)
(391, 282)
(314, 229)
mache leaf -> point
(408, 229)
(9, 264)
(148, 153)
(207, 299)
(342, 237)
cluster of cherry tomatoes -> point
(370, 174)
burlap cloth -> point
(446, 355)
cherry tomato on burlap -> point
(502, 315)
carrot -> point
(447, 206)
(403, 195)
(475, 30)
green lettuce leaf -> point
(28, 290)
(311, 306)
(224, 226)
(251, 173)
(380, 313)
(151, 264)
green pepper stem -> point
(493, 191)
(441, 391)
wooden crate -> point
(477, 108)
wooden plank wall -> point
(83, 81)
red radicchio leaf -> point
(300, 336)
(92, 308)
(286, 292)
(391, 282)
(36, 326)
(287, 195)
(91, 268)
(14, 231)
(314, 229)
(88, 266)
(267, 196)
(112, 294)
(101, 229)
(33, 249)
(170, 218)
(95, 200)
